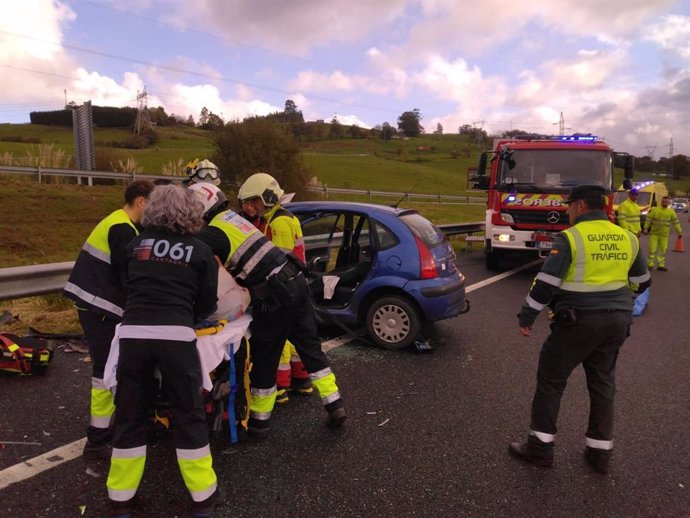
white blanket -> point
(213, 349)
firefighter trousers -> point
(269, 330)
(98, 332)
(593, 341)
(179, 363)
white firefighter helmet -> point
(211, 197)
(261, 185)
(202, 171)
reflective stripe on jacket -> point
(93, 283)
(602, 254)
(252, 257)
(659, 221)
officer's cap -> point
(585, 192)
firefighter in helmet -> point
(199, 171)
(281, 309)
(260, 197)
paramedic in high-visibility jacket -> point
(96, 285)
(658, 225)
(586, 281)
(281, 310)
(629, 213)
(260, 197)
(172, 282)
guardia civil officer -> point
(172, 281)
(96, 284)
(586, 282)
(281, 309)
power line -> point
(195, 73)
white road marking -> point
(30, 468)
(33, 467)
(500, 276)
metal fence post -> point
(39, 173)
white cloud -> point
(318, 82)
(672, 33)
(295, 26)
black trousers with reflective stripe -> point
(593, 341)
(98, 332)
(179, 364)
(270, 329)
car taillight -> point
(427, 269)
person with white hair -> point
(172, 282)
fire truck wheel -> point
(493, 259)
(393, 322)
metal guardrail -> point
(40, 279)
(40, 172)
(440, 198)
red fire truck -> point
(528, 179)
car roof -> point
(368, 208)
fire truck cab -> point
(528, 177)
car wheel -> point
(393, 322)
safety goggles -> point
(207, 173)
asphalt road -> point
(427, 434)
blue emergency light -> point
(579, 138)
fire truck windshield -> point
(556, 170)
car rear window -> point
(424, 229)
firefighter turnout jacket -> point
(283, 230)
(590, 268)
(96, 281)
(243, 249)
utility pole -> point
(479, 135)
(651, 150)
(561, 125)
(143, 117)
(670, 158)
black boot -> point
(257, 428)
(534, 451)
(336, 413)
(598, 459)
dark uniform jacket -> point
(172, 279)
(96, 282)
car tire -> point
(393, 322)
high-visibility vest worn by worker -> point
(602, 255)
(252, 257)
(629, 216)
(93, 282)
(660, 219)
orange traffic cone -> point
(679, 245)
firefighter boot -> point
(336, 414)
(204, 509)
(598, 459)
(257, 428)
(534, 451)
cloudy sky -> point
(619, 69)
